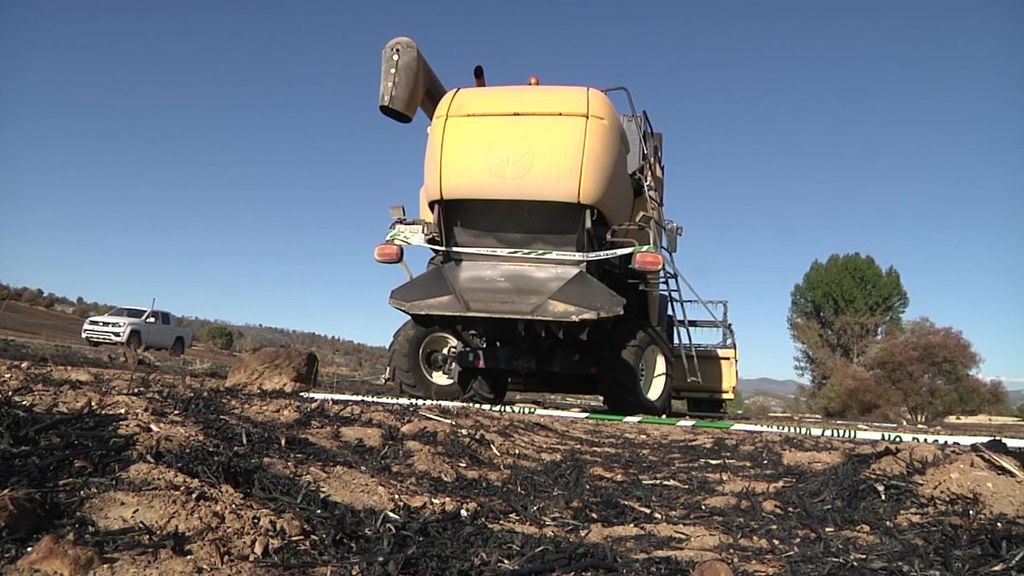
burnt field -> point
(158, 470)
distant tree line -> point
(36, 297)
(356, 357)
(862, 359)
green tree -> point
(738, 405)
(852, 392)
(928, 369)
(220, 337)
(977, 396)
(839, 309)
(30, 297)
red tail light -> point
(388, 253)
(648, 262)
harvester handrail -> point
(703, 302)
(632, 111)
(645, 157)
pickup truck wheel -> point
(417, 360)
(93, 343)
(636, 372)
(134, 342)
(178, 348)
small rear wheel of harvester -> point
(178, 348)
(482, 389)
(636, 372)
(418, 360)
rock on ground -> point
(274, 370)
(19, 513)
(61, 557)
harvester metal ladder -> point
(669, 285)
(671, 281)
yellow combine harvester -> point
(553, 265)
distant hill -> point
(1016, 397)
(775, 387)
(769, 386)
(1014, 385)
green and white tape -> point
(407, 237)
(841, 433)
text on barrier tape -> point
(418, 239)
(840, 433)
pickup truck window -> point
(165, 318)
(127, 312)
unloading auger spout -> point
(407, 82)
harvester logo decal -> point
(511, 160)
(410, 238)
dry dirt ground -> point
(24, 321)
(162, 470)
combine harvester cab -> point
(553, 265)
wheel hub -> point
(435, 356)
(438, 360)
(652, 372)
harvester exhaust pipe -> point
(478, 76)
(407, 82)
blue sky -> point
(228, 159)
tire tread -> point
(619, 387)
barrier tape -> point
(839, 433)
(418, 239)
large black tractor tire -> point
(414, 359)
(636, 372)
(489, 389)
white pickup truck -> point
(137, 328)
